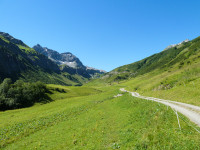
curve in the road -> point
(190, 111)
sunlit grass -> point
(95, 120)
(27, 49)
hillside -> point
(171, 74)
(19, 61)
(161, 61)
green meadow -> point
(89, 118)
(49, 100)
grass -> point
(63, 92)
(52, 78)
(27, 50)
(87, 118)
(3, 38)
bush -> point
(21, 94)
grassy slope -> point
(172, 74)
(85, 118)
(184, 90)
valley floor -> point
(94, 119)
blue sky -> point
(104, 34)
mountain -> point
(19, 61)
(16, 57)
(64, 58)
(68, 62)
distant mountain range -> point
(19, 61)
(67, 61)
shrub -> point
(21, 94)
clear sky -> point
(104, 34)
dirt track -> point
(190, 111)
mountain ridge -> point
(59, 58)
(67, 61)
(19, 61)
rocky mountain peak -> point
(67, 60)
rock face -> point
(68, 62)
(174, 45)
(61, 59)
(93, 71)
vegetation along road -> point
(190, 111)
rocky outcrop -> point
(93, 72)
(174, 45)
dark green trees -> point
(21, 94)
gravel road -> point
(190, 111)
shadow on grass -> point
(44, 99)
